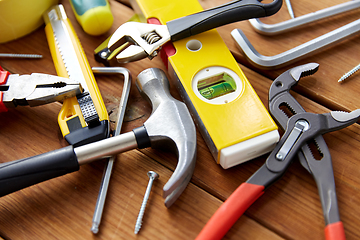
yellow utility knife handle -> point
(71, 112)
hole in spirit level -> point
(194, 45)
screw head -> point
(153, 175)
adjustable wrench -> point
(145, 40)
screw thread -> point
(348, 74)
(152, 175)
(140, 216)
(18, 55)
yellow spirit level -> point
(232, 120)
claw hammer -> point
(169, 126)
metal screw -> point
(290, 10)
(19, 55)
(153, 176)
(348, 74)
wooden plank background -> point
(62, 208)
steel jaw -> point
(145, 40)
(39, 88)
(170, 126)
(280, 98)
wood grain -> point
(62, 208)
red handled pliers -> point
(35, 89)
(301, 128)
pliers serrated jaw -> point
(280, 97)
(35, 89)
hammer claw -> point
(181, 176)
(170, 126)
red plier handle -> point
(238, 202)
(230, 211)
(3, 78)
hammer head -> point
(170, 126)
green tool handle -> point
(26, 172)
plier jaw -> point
(282, 105)
(35, 89)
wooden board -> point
(62, 208)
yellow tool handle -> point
(71, 109)
(94, 16)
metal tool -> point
(19, 55)
(304, 50)
(110, 163)
(302, 128)
(152, 176)
(178, 135)
(197, 71)
(289, 7)
(35, 89)
(292, 24)
(145, 40)
(348, 74)
(83, 119)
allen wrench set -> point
(303, 50)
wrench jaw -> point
(145, 40)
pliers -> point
(145, 40)
(35, 89)
(302, 129)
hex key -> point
(109, 166)
(273, 29)
(297, 53)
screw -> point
(153, 176)
(290, 10)
(348, 74)
(19, 55)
